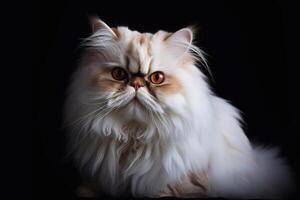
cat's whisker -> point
(83, 117)
(108, 110)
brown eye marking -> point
(119, 74)
(157, 77)
(105, 82)
(171, 85)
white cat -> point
(143, 122)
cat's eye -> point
(119, 74)
(157, 77)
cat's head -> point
(126, 76)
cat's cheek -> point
(175, 102)
(165, 93)
(109, 86)
(171, 87)
(152, 90)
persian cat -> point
(143, 121)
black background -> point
(250, 55)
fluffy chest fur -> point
(145, 168)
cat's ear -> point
(180, 41)
(97, 24)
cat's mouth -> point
(136, 100)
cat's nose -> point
(137, 82)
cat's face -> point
(140, 76)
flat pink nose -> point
(137, 82)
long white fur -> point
(169, 137)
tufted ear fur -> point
(180, 41)
(97, 25)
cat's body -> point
(143, 137)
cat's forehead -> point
(140, 48)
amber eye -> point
(119, 74)
(157, 77)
